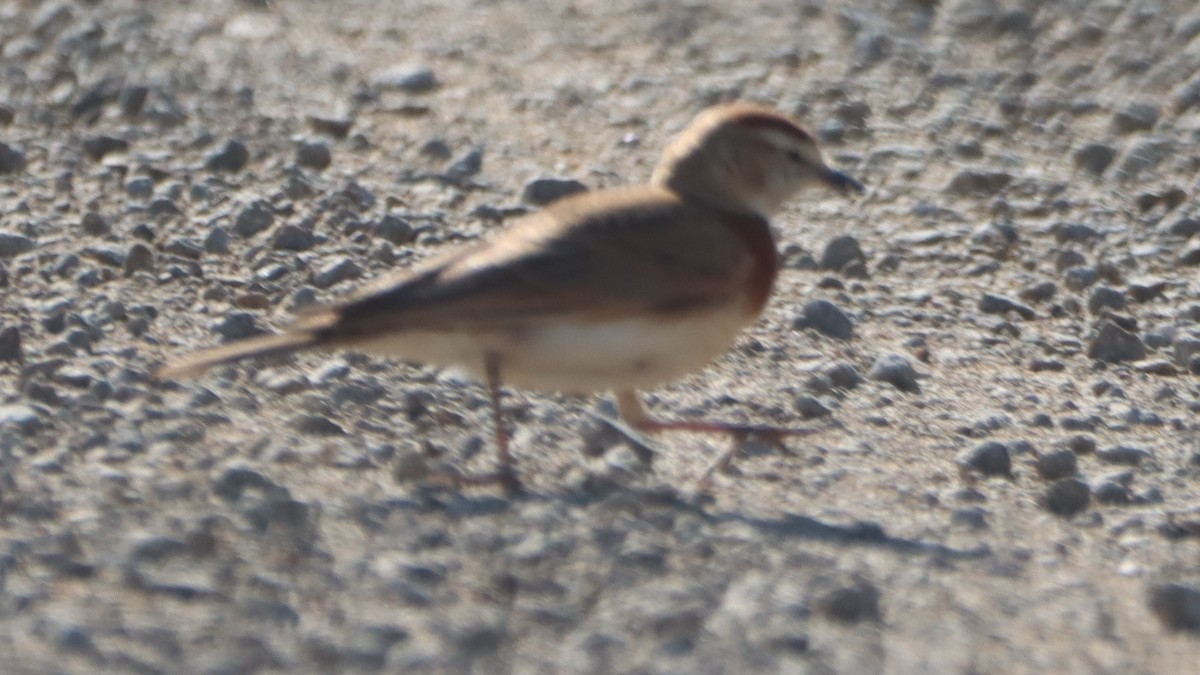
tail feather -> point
(265, 345)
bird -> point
(619, 289)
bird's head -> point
(745, 158)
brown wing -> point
(596, 256)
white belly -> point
(624, 354)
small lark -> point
(618, 289)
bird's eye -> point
(795, 156)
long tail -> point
(265, 345)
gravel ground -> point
(1000, 343)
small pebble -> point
(896, 370)
(851, 604)
(543, 191)
(94, 224)
(334, 127)
(232, 157)
(1104, 297)
(139, 259)
(217, 240)
(12, 158)
(253, 219)
(826, 318)
(466, 166)
(1115, 344)
(1135, 117)
(1095, 158)
(20, 417)
(842, 252)
(1177, 606)
(313, 155)
(810, 407)
(844, 376)
(1056, 464)
(336, 271)
(414, 79)
(395, 230)
(141, 187)
(1066, 497)
(238, 325)
(978, 182)
(97, 147)
(1040, 292)
(991, 303)
(13, 244)
(10, 343)
(293, 238)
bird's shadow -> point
(460, 504)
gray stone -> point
(10, 343)
(1184, 348)
(978, 182)
(334, 127)
(1075, 232)
(466, 166)
(1115, 344)
(1145, 290)
(20, 417)
(1177, 606)
(232, 157)
(854, 603)
(293, 238)
(542, 191)
(13, 244)
(313, 155)
(991, 303)
(140, 187)
(1145, 156)
(395, 230)
(411, 78)
(253, 219)
(217, 240)
(163, 207)
(1067, 497)
(1103, 297)
(1191, 256)
(237, 483)
(131, 100)
(139, 259)
(1135, 117)
(1056, 464)
(1185, 227)
(1039, 292)
(12, 158)
(1068, 258)
(238, 325)
(94, 224)
(826, 318)
(336, 271)
(97, 147)
(896, 370)
(1123, 454)
(317, 425)
(810, 407)
(844, 376)
(1095, 158)
(1079, 278)
(841, 252)
(990, 458)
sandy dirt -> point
(1007, 474)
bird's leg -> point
(506, 473)
(630, 407)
